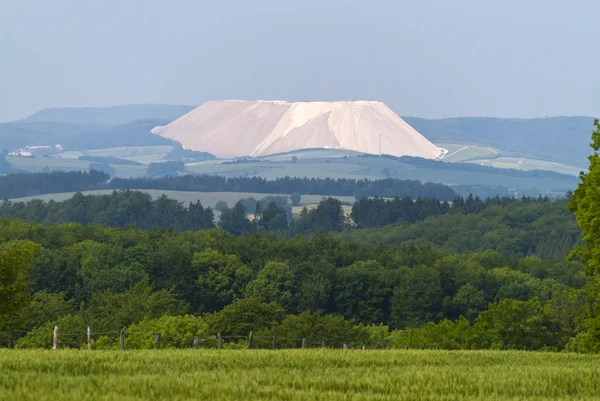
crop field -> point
(206, 198)
(179, 375)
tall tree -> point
(585, 203)
(15, 262)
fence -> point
(213, 341)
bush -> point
(221, 205)
(69, 329)
(176, 332)
(583, 343)
(296, 198)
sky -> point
(430, 58)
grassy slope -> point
(527, 164)
(69, 164)
(296, 375)
(140, 154)
(464, 152)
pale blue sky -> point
(423, 58)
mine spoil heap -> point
(235, 128)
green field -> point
(296, 375)
(140, 154)
(38, 164)
(206, 198)
(464, 152)
(528, 164)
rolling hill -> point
(558, 139)
(115, 115)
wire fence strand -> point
(11, 336)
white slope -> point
(254, 128)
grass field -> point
(296, 375)
(140, 154)
(463, 152)
(206, 198)
(528, 164)
(39, 163)
(69, 164)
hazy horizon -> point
(433, 60)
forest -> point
(113, 278)
(526, 226)
(498, 273)
(309, 286)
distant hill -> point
(110, 115)
(136, 133)
(560, 139)
(71, 136)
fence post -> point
(196, 343)
(157, 340)
(363, 348)
(122, 340)
(55, 338)
(304, 343)
(89, 338)
(250, 341)
(219, 341)
(10, 344)
(274, 342)
(345, 347)
(323, 344)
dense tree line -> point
(112, 278)
(165, 168)
(29, 184)
(387, 188)
(25, 184)
(529, 226)
(544, 229)
(119, 209)
(377, 212)
(585, 203)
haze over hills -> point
(254, 128)
(558, 139)
(114, 115)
